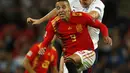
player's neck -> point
(67, 17)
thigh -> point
(90, 70)
(76, 58)
(87, 58)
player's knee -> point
(69, 61)
(71, 66)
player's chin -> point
(84, 6)
(62, 17)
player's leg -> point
(62, 68)
(71, 65)
(87, 59)
(90, 70)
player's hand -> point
(42, 51)
(33, 21)
(108, 40)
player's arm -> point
(54, 62)
(103, 28)
(29, 57)
(97, 10)
(61, 70)
(27, 66)
(94, 14)
(49, 34)
(45, 18)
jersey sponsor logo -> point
(79, 28)
(29, 53)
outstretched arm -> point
(48, 36)
(45, 18)
(103, 28)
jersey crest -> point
(79, 28)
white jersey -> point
(96, 5)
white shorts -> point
(88, 58)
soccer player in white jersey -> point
(93, 7)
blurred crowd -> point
(16, 36)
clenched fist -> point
(33, 21)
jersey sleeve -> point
(48, 36)
(32, 52)
(99, 7)
(97, 24)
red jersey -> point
(41, 63)
(74, 33)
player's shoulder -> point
(80, 14)
(34, 47)
(39, 44)
(99, 3)
(55, 19)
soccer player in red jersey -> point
(35, 63)
(71, 28)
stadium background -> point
(16, 36)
